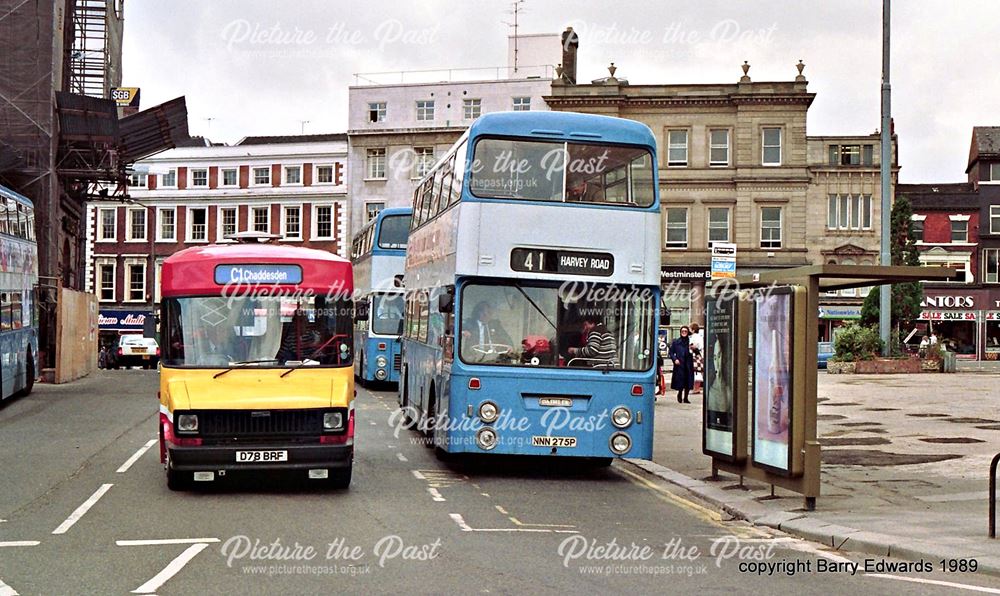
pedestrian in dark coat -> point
(682, 377)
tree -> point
(906, 297)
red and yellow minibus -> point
(256, 369)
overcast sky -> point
(259, 67)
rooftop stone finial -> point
(746, 69)
(801, 66)
(612, 69)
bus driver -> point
(483, 336)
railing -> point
(993, 495)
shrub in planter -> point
(855, 343)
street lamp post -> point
(885, 302)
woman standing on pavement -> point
(682, 377)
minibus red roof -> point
(192, 272)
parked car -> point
(136, 350)
(824, 352)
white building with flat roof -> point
(400, 123)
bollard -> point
(993, 495)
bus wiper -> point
(528, 298)
(309, 357)
(241, 364)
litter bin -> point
(948, 362)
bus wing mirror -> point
(446, 302)
(149, 326)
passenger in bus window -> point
(483, 337)
(583, 191)
(599, 349)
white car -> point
(136, 350)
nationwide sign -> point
(723, 260)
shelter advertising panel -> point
(772, 381)
(720, 382)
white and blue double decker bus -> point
(18, 279)
(532, 282)
(378, 253)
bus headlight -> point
(620, 443)
(187, 423)
(488, 412)
(333, 420)
(486, 438)
(381, 362)
(381, 375)
(621, 417)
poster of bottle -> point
(719, 380)
(772, 381)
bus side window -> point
(5, 311)
(15, 310)
(459, 173)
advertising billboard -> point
(772, 382)
(720, 381)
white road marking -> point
(135, 456)
(458, 519)
(435, 494)
(418, 475)
(171, 569)
(501, 510)
(165, 541)
(6, 590)
(935, 582)
(401, 457)
(373, 423)
(82, 509)
(20, 543)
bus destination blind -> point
(550, 260)
(258, 274)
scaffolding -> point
(95, 54)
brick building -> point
(958, 225)
(294, 187)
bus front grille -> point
(260, 423)
(397, 361)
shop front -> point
(114, 323)
(991, 327)
(683, 299)
(834, 316)
(955, 317)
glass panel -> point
(276, 331)
(845, 211)
(992, 266)
(855, 212)
(831, 215)
(866, 212)
(387, 314)
(676, 227)
(538, 325)
(535, 170)
(718, 225)
(394, 231)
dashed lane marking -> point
(19, 543)
(518, 522)
(418, 475)
(401, 457)
(935, 582)
(6, 590)
(171, 569)
(165, 541)
(465, 527)
(135, 456)
(82, 509)
(435, 494)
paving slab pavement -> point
(905, 467)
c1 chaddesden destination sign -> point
(550, 260)
(258, 274)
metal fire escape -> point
(89, 57)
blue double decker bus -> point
(18, 310)
(532, 279)
(378, 253)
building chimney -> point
(570, 43)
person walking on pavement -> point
(682, 377)
(698, 354)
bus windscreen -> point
(562, 172)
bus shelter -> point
(760, 362)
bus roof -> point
(14, 196)
(192, 272)
(565, 126)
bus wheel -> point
(29, 373)
(431, 420)
(341, 479)
(404, 402)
